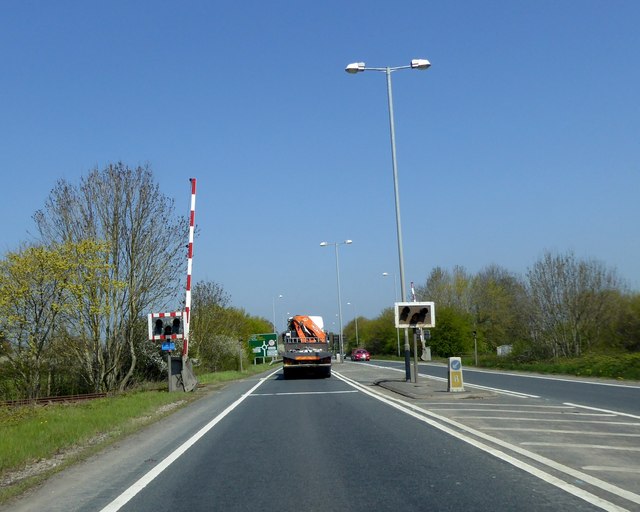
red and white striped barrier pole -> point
(187, 302)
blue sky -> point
(522, 137)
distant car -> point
(360, 354)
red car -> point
(360, 354)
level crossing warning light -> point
(416, 315)
(166, 326)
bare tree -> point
(146, 255)
(570, 302)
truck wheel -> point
(286, 374)
(327, 373)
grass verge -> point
(37, 441)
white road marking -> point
(549, 420)
(476, 386)
(589, 446)
(603, 410)
(572, 432)
(511, 405)
(544, 377)
(437, 421)
(145, 480)
(464, 409)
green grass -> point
(35, 432)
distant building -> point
(504, 350)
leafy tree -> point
(41, 288)
(220, 332)
(499, 307)
(448, 288)
(627, 325)
(452, 335)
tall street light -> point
(275, 329)
(336, 244)
(395, 298)
(358, 67)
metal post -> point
(407, 347)
(275, 329)
(339, 304)
(475, 347)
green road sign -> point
(264, 345)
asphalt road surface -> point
(598, 393)
(342, 443)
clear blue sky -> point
(523, 136)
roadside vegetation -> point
(108, 250)
(566, 315)
(38, 440)
(74, 302)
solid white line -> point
(460, 405)
(430, 418)
(128, 494)
(544, 377)
(463, 409)
(549, 420)
(604, 410)
(590, 446)
(442, 379)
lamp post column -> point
(358, 67)
(275, 329)
(394, 163)
(339, 304)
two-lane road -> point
(597, 393)
(302, 444)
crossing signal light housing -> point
(419, 315)
(166, 326)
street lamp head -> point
(385, 274)
(324, 244)
(348, 242)
(419, 64)
(355, 67)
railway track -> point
(52, 400)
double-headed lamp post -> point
(336, 244)
(358, 67)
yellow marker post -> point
(455, 383)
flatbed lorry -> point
(306, 349)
